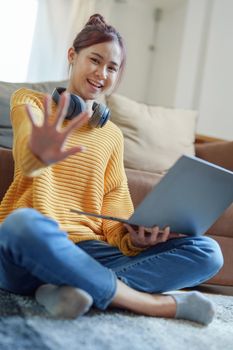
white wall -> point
(162, 81)
(192, 56)
(150, 75)
(134, 20)
(191, 66)
(205, 74)
(216, 95)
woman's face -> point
(94, 69)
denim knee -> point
(213, 260)
(20, 225)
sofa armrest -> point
(219, 153)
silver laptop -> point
(189, 198)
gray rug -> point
(25, 325)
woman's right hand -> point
(142, 237)
(47, 141)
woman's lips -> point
(96, 86)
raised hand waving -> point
(47, 141)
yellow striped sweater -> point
(92, 181)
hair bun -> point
(96, 19)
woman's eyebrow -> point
(101, 57)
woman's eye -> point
(112, 69)
(95, 60)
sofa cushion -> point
(141, 183)
(6, 90)
(155, 137)
(224, 225)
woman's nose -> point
(102, 73)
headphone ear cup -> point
(76, 104)
(56, 94)
(100, 115)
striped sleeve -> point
(117, 202)
(25, 160)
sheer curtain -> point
(58, 22)
(16, 34)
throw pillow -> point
(155, 137)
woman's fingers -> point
(77, 122)
(134, 236)
(148, 237)
(164, 235)
(158, 236)
(145, 238)
(47, 140)
(81, 119)
(47, 109)
(30, 114)
(129, 228)
(142, 235)
(176, 235)
(62, 110)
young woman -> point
(71, 261)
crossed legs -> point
(33, 252)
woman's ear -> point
(71, 54)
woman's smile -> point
(95, 84)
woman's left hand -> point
(145, 238)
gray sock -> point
(63, 301)
(194, 306)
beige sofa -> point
(140, 181)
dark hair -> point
(97, 31)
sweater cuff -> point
(129, 248)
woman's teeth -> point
(98, 85)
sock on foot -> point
(194, 306)
(63, 301)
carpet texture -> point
(25, 325)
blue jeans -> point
(34, 251)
